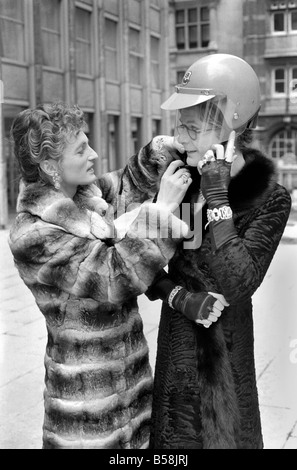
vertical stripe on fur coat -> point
(85, 279)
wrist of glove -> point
(221, 232)
(201, 307)
(214, 187)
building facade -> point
(270, 46)
(264, 33)
(119, 59)
(108, 56)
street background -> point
(23, 341)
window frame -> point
(274, 93)
(25, 32)
(290, 30)
(186, 25)
(138, 55)
(62, 41)
(276, 139)
(155, 63)
(115, 19)
(288, 80)
(88, 9)
(287, 12)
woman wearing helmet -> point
(205, 393)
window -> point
(51, 33)
(293, 81)
(12, 27)
(83, 41)
(192, 27)
(135, 134)
(113, 142)
(283, 17)
(284, 81)
(135, 59)
(156, 127)
(293, 20)
(279, 81)
(283, 147)
(180, 76)
(111, 48)
(155, 62)
(12, 168)
(89, 131)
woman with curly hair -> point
(85, 271)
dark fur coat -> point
(205, 393)
(85, 279)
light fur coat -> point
(85, 276)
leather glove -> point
(203, 308)
(215, 179)
(214, 183)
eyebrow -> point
(84, 142)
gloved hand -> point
(203, 308)
(215, 169)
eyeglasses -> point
(192, 133)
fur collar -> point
(81, 216)
(254, 182)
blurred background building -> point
(119, 59)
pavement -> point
(23, 341)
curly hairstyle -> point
(41, 133)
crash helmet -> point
(226, 91)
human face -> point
(77, 163)
(195, 135)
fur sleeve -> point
(92, 268)
(240, 265)
(138, 181)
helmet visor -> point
(204, 124)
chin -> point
(92, 179)
(192, 159)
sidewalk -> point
(23, 340)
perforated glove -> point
(215, 181)
(203, 308)
(215, 171)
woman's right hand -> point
(174, 185)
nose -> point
(182, 136)
(92, 154)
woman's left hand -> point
(215, 169)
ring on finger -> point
(185, 178)
(209, 156)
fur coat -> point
(85, 279)
(205, 393)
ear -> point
(49, 166)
